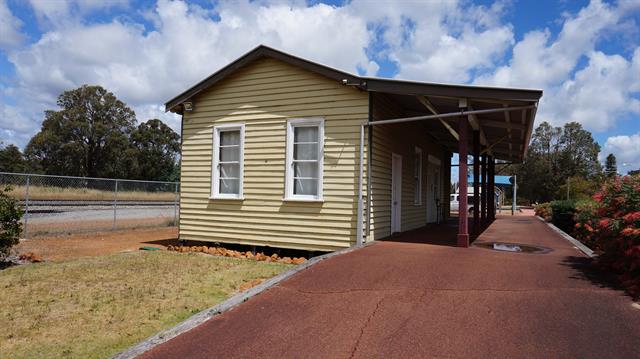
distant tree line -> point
(94, 134)
(562, 162)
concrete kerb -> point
(224, 306)
(586, 250)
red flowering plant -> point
(586, 217)
(544, 211)
(611, 226)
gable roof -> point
(261, 51)
(373, 84)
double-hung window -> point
(227, 165)
(304, 159)
(417, 177)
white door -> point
(396, 192)
(433, 193)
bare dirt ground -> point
(48, 229)
(69, 219)
(100, 243)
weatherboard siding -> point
(263, 95)
(400, 139)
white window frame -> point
(289, 185)
(215, 173)
(417, 196)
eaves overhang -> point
(479, 95)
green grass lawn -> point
(96, 307)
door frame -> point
(433, 178)
(396, 178)
(435, 186)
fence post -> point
(175, 206)
(115, 205)
(26, 210)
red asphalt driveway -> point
(401, 300)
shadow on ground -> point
(441, 234)
(164, 242)
(587, 270)
(266, 250)
(7, 264)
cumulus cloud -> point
(626, 149)
(595, 95)
(598, 94)
(178, 44)
(9, 27)
(538, 61)
(16, 125)
(439, 41)
(145, 67)
(63, 12)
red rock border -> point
(220, 251)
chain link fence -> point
(56, 205)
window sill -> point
(226, 198)
(310, 200)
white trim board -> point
(289, 181)
(215, 162)
(576, 243)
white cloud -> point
(16, 124)
(598, 94)
(9, 27)
(539, 62)
(595, 95)
(449, 41)
(626, 149)
(147, 112)
(439, 41)
(145, 68)
(57, 13)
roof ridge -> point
(372, 84)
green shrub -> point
(10, 226)
(586, 218)
(579, 188)
(544, 210)
(562, 214)
(612, 226)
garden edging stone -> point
(224, 306)
(584, 249)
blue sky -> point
(585, 55)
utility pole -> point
(568, 186)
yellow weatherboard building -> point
(284, 152)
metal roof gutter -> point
(364, 83)
(450, 114)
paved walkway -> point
(400, 300)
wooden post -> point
(476, 183)
(463, 232)
(491, 194)
(483, 193)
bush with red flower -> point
(586, 219)
(544, 211)
(610, 224)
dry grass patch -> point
(44, 193)
(43, 228)
(96, 307)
